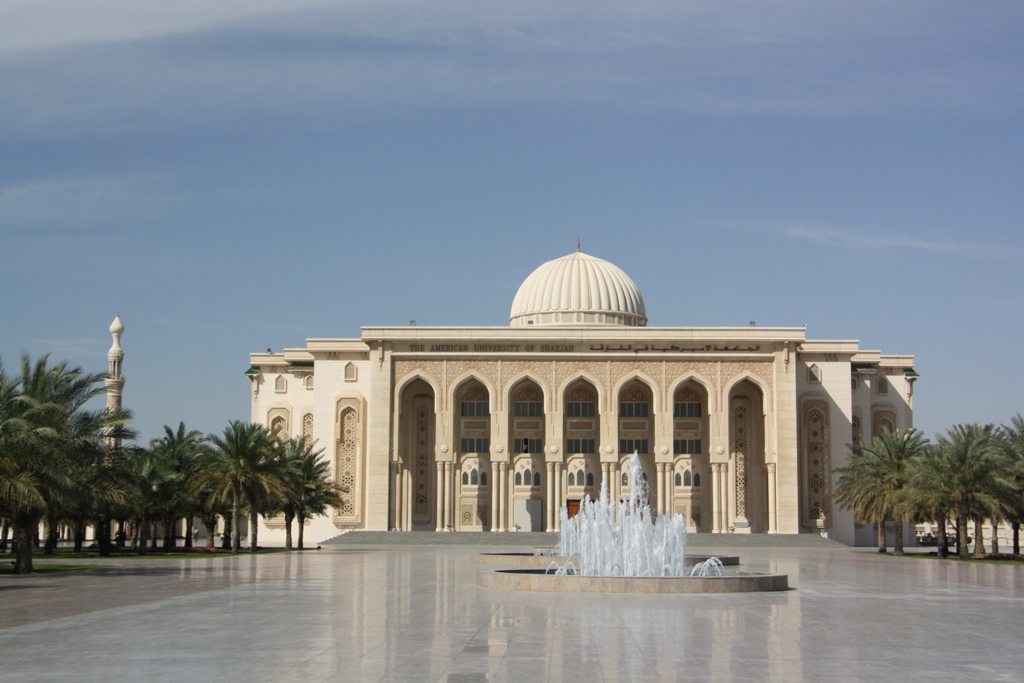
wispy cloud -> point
(853, 239)
(89, 347)
(75, 202)
(128, 63)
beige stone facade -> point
(495, 428)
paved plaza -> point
(412, 612)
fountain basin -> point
(544, 561)
(540, 581)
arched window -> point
(519, 478)
(679, 479)
(308, 381)
(278, 423)
(351, 372)
(590, 478)
(625, 479)
(696, 479)
(465, 478)
(281, 384)
(307, 426)
(483, 478)
(687, 478)
(536, 478)
(474, 477)
(883, 385)
(572, 479)
(527, 476)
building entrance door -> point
(572, 507)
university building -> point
(491, 429)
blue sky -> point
(249, 174)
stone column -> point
(494, 496)
(723, 481)
(549, 502)
(716, 499)
(503, 497)
(557, 516)
(393, 497)
(661, 488)
(449, 498)
(439, 494)
(772, 524)
(407, 499)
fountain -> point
(609, 547)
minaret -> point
(115, 380)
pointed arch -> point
(705, 384)
(603, 401)
(652, 386)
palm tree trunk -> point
(1016, 538)
(961, 535)
(881, 534)
(302, 523)
(136, 532)
(995, 537)
(942, 549)
(228, 526)
(170, 532)
(103, 534)
(52, 530)
(979, 538)
(210, 524)
(6, 531)
(188, 531)
(24, 525)
(898, 535)
(79, 536)
(236, 512)
(120, 535)
(254, 525)
(143, 535)
(288, 517)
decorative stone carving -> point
(554, 450)
(444, 448)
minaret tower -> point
(115, 380)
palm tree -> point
(45, 422)
(875, 475)
(244, 471)
(976, 470)
(928, 495)
(290, 454)
(183, 454)
(1011, 439)
(315, 490)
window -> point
(630, 445)
(580, 446)
(476, 445)
(572, 479)
(529, 408)
(351, 374)
(686, 409)
(527, 445)
(483, 478)
(474, 477)
(696, 479)
(308, 382)
(814, 374)
(519, 478)
(883, 385)
(679, 480)
(687, 478)
(590, 478)
(281, 384)
(580, 408)
(527, 477)
(476, 408)
(625, 479)
(633, 409)
(465, 478)
(536, 478)
(307, 426)
(686, 447)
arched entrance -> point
(747, 482)
(416, 456)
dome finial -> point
(577, 242)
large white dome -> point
(578, 289)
